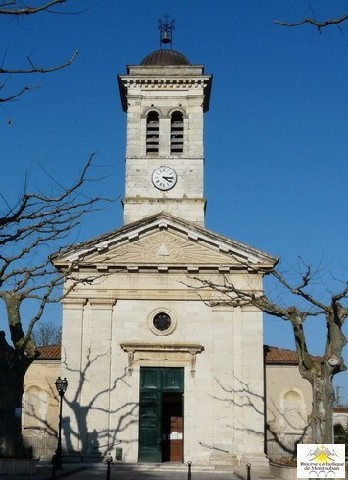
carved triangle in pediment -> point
(161, 248)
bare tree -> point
(33, 229)
(15, 9)
(318, 370)
(46, 333)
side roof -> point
(279, 356)
(49, 352)
(272, 355)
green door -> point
(153, 383)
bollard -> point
(189, 465)
(53, 477)
(53, 472)
(109, 462)
(248, 466)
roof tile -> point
(49, 352)
(276, 356)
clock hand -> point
(169, 179)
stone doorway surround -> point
(179, 354)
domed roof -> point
(165, 57)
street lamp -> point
(61, 386)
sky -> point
(276, 141)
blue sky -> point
(276, 141)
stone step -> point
(169, 466)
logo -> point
(321, 461)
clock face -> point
(164, 178)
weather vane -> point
(166, 30)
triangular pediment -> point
(163, 240)
(161, 247)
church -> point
(157, 365)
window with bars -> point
(177, 133)
(152, 133)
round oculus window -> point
(162, 321)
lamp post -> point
(61, 386)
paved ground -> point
(124, 472)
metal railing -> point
(42, 447)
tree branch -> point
(35, 69)
(9, 7)
(14, 11)
(16, 95)
(312, 21)
(311, 368)
(38, 226)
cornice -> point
(190, 350)
(165, 82)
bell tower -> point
(165, 98)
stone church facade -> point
(288, 401)
(156, 363)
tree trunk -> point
(321, 417)
(319, 371)
(11, 394)
(11, 444)
(14, 362)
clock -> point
(164, 178)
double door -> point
(161, 432)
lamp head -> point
(61, 385)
